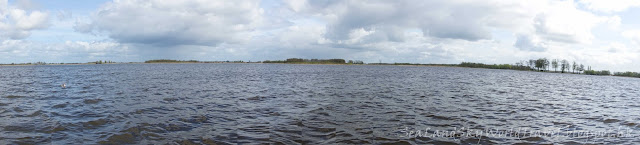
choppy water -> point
(305, 104)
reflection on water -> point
(301, 104)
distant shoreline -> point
(519, 67)
(22, 64)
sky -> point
(603, 34)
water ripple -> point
(302, 104)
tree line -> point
(103, 62)
(545, 65)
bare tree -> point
(532, 63)
(564, 65)
(574, 66)
(546, 64)
(554, 64)
(580, 68)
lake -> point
(311, 104)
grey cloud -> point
(83, 27)
(442, 19)
(64, 14)
(546, 21)
(170, 23)
(27, 5)
(526, 43)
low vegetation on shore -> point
(190, 61)
(170, 61)
(311, 61)
(627, 74)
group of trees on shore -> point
(103, 62)
(355, 62)
(545, 65)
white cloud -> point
(168, 23)
(466, 20)
(539, 23)
(16, 23)
(610, 6)
(69, 51)
(95, 49)
(451, 31)
(297, 5)
(614, 55)
(417, 31)
(560, 22)
(633, 35)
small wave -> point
(610, 120)
(630, 123)
(195, 119)
(535, 139)
(63, 105)
(170, 99)
(34, 114)
(95, 123)
(14, 96)
(439, 117)
(92, 101)
(125, 138)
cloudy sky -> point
(604, 34)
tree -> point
(580, 68)
(532, 63)
(541, 63)
(564, 65)
(554, 64)
(546, 64)
(574, 66)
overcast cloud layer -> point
(603, 34)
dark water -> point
(307, 104)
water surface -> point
(303, 104)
